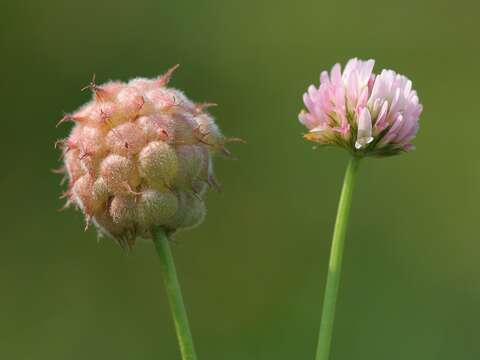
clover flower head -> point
(365, 113)
(140, 156)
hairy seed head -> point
(140, 156)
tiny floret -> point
(140, 156)
(365, 113)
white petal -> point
(364, 134)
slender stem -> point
(335, 263)
(174, 293)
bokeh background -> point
(253, 274)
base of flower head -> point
(366, 148)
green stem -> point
(174, 293)
(335, 263)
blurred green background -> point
(253, 273)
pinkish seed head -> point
(140, 156)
